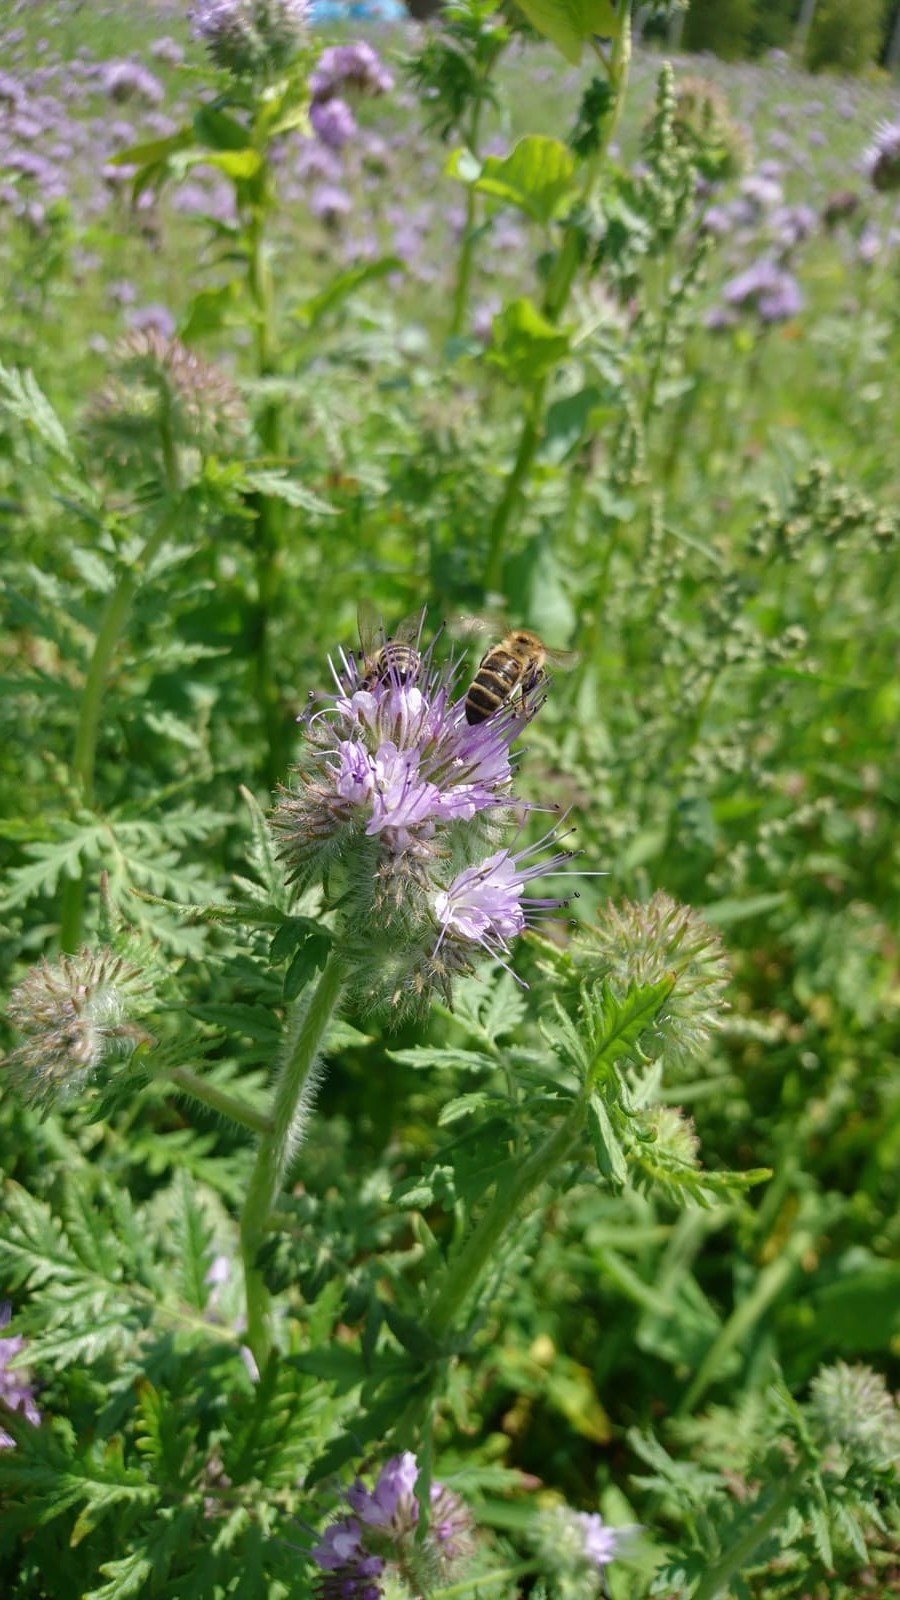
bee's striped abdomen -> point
(494, 682)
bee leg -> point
(531, 687)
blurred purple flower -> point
(349, 66)
(128, 80)
(330, 204)
(333, 123)
(246, 36)
(485, 905)
(157, 319)
(766, 288)
(168, 51)
(15, 1390)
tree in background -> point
(723, 26)
(845, 35)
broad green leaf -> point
(537, 176)
(525, 345)
(215, 128)
(307, 959)
(278, 486)
(570, 23)
(153, 152)
(234, 163)
(211, 309)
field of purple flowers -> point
(448, 804)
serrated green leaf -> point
(608, 1151)
(23, 397)
(307, 959)
(619, 1024)
(425, 1057)
(570, 23)
(339, 289)
(193, 1238)
(278, 486)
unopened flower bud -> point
(74, 1016)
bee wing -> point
(409, 630)
(562, 658)
(371, 629)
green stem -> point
(84, 755)
(467, 249)
(290, 1110)
(267, 528)
(559, 287)
(480, 1251)
(737, 1558)
(772, 1282)
(483, 1581)
(227, 1105)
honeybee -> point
(514, 666)
(388, 658)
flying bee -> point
(514, 667)
(388, 658)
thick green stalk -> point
(267, 530)
(479, 1252)
(218, 1100)
(290, 1109)
(559, 287)
(742, 1551)
(84, 755)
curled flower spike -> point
(579, 1544)
(882, 159)
(378, 1538)
(74, 1016)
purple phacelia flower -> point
(579, 1543)
(485, 905)
(401, 799)
(333, 123)
(882, 159)
(15, 1390)
(349, 66)
(378, 1538)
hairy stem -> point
(290, 1109)
(479, 1252)
(227, 1105)
(717, 1577)
(84, 754)
(559, 287)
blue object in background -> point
(358, 11)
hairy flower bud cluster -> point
(15, 1390)
(159, 387)
(249, 37)
(73, 1016)
(377, 1540)
(853, 1411)
(642, 944)
(399, 804)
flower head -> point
(882, 159)
(333, 123)
(405, 800)
(248, 36)
(74, 1016)
(853, 1410)
(15, 1390)
(380, 1534)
